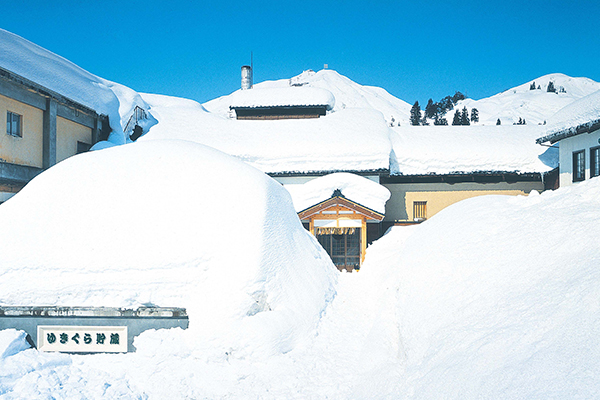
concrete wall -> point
(68, 133)
(25, 150)
(567, 146)
(441, 195)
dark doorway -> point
(344, 249)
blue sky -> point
(415, 50)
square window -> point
(595, 161)
(578, 166)
(13, 124)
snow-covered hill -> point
(535, 106)
(348, 94)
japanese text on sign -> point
(82, 339)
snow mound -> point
(463, 149)
(282, 97)
(356, 188)
(12, 341)
(349, 140)
(535, 106)
(347, 94)
(168, 223)
(67, 79)
(494, 297)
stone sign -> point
(88, 329)
(82, 339)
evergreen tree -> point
(532, 86)
(464, 117)
(551, 87)
(474, 115)
(498, 122)
(457, 97)
(430, 109)
(539, 87)
(457, 117)
(415, 114)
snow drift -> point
(494, 297)
(168, 223)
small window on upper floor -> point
(14, 124)
(595, 161)
(578, 166)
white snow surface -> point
(463, 149)
(354, 187)
(349, 140)
(494, 297)
(347, 94)
(175, 224)
(60, 75)
(535, 106)
(581, 112)
(283, 96)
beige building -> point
(42, 128)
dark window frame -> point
(10, 124)
(578, 173)
(595, 161)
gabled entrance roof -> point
(337, 200)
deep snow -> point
(153, 224)
(494, 297)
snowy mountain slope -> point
(535, 106)
(347, 93)
(60, 75)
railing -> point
(138, 114)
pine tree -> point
(457, 117)
(498, 122)
(464, 117)
(457, 97)
(474, 115)
(430, 109)
(551, 87)
(415, 114)
(532, 86)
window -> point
(13, 124)
(419, 210)
(578, 166)
(595, 161)
(344, 249)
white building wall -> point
(567, 146)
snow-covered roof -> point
(579, 117)
(422, 150)
(347, 94)
(359, 189)
(348, 140)
(60, 75)
(282, 97)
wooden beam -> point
(363, 241)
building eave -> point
(554, 137)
